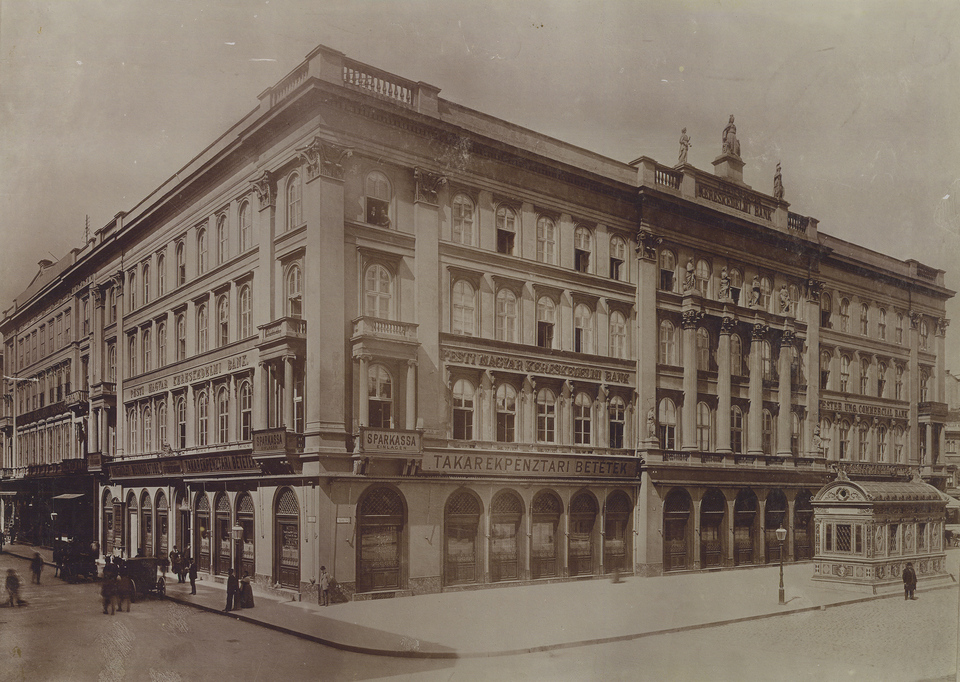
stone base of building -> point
(879, 578)
(886, 587)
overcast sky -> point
(103, 100)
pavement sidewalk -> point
(527, 618)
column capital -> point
(788, 338)
(728, 325)
(915, 318)
(647, 243)
(942, 324)
(691, 317)
(760, 331)
(427, 185)
(266, 188)
(814, 289)
(321, 157)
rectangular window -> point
(59, 332)
(545, 334)
(843, 537)
(892, 545)
(505, 241)
(616, 268)
(43, 344)
(581, 260)
(666, 280)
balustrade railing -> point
(668, 178)
(797, 222)
(387, 328)
(288, 84)
(378, 82)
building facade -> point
(374, 330)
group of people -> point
(239, 592)
(116, 587)
(184, 566)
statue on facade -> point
(778, 184)
(784, 300)
(684, 146)
(755, 292)
(690, 279)
(817, 440)
(731, 145)
(651, 423)
(724, 293)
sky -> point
(102, 100)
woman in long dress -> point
(246, 592)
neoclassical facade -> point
(374, 330)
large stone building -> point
(372, 329)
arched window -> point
(131, 357)
(294, 292)
(766, 287)
(201, 251)
(736, 355)
(583, 517)
(246, 312)
(826, 427)
(844, 373)
(795, 433)
(147, 429)
(582, 329)
(618, 418)
(245, 516)
(844, 315)
(546, 318)
(464, 317)
(703, 277)
(582, 419)
(203, 418)
(463, 410)
(618, 335)
(113, 315)
(864, 319)
(181, 409)
(668, 269)
(898, 384)
(668, 344)
(882, 324)
(506, 413)
(703, 349)
(882, 443)
(246, 227)
(223, 321)
(826, 309)
(223, 415)
(378, 292)
(380, 521)
(545, 511)
(924, 335)
(145, 276)
(131, 286)
(618, 256)
(736, 284)
(162, 425)
(795, 308)
(145, 348)
(704, 430)
(246, 411)
(462, 552)
(506, 324)
(380, 397)
(766, 360)
(506, 513)
(898, 445)
(825, 359)
(546, 240)
(546, 416)
(864, 376)
(223, 240)
(181, 337)
(767, 432)
(899, 328)
(667, 423)
(161, 275)
(202, 327)
(844, 435)
(294, 206)
(736, 429)
(582, 248)
(463, 219)
(863, 442)
(181, 264)
(377, 196)
(132, 437)
(201, 541)
(506, 230)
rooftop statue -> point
(777, 184)
(684, 146)
(731, 145)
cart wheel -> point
(161, 587)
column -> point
(287, 422)
(812, 421)
(645, 332)
(912, 454)
(695, 511)
(784, 421)
(364, 381)
(755, 392)
(410, 408)
(727, 326)
(928, 458)
(264, 394)
(94, 436)
(431, 401)
(688, 420)
(788, 524)
(762, 539)
(729, 519)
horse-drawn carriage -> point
(142, 571)
(75, 559)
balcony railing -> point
(386, 329)
(283, 328)
(935, 410)
(738, 460)
(103, 390)
(668, 177)
(542, 448)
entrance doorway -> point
(287, 543)
(616, 521)
(381, 520)
(676, 516)
(774, 514)
(461, 550)
(803, 527)
(712, 510)
(583, 518)
(505, 514)
(744, 527)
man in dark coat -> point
(909, 581)
(233, 591)
(192, 572)
(125, 592)
(108, 593)
(36, 567)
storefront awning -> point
(68, 496)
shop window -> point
(506, 230)
(463, 219)
(506, 323)
(583, 517)
(546, 416)
(463, 410)
(545, 510)
(462, 552)
(380, 397)
(506, 512)
(618, 419)
(546, 240)
(464, 309)
(582, 249)
(582, 419)
(377, 196)
(506, 413)
(618, 257)
(546, 318)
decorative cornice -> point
(647, 243)
(428, 185)
(266, 188)
(324, 158)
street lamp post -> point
(237, 539)
(781, 536)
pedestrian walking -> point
(36, 567)
(246, 592)
(192, 571)
(233, 590)
(108, 594)
(175, 564)
(324, 586)
(909, 581)
(13, 587)
(125, 591)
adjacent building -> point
(371, 329)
